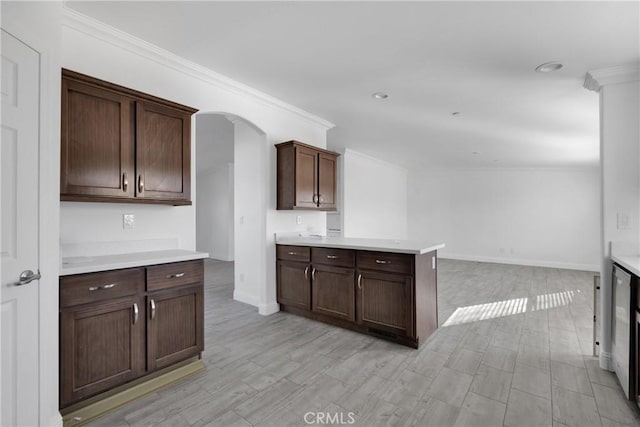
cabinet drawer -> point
(166, 276)
(385, 261)
(293, 253)
(329, 256)
(92, 287)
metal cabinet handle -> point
(306, 273)
(315, 198)
(140, 184)
(27, 277)
(333, 256)
(360, 281)
(135, 313)
(381, 261)
(152, 303)
(125, 182)
(292, 253)
(101, 287)
(320, 200)
(313, 274)
(175, 276)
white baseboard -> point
(270, 308)
(519, 261)
(246, 298)
(264, 309)
(55, 421)
(606, 361)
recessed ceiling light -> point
(380, 95)
(475, 152)
(455, 113)
(548, 67)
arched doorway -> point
(231, 199)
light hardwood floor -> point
(513, 349)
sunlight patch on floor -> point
(492, 310)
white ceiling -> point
(432, 58)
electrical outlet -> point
(623, 221)
(128, 221)
(298, 219)
(242, 219)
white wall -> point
(214, 212)
(214, 189)
(95, 49)
(38, 25)
(374, 197)
(620, 163)
(531, 217)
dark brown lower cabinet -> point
(102, 346)
(116, 326)
(389, 295)
(174, 333)
(385, 302)
(294, 284)
(333, 291)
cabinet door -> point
(97, 146)
(293, 284)
(163, 153)
(333, 291)
(384, 302)
(306, 181)
(176, 325)
(102, 346)
(327, 167)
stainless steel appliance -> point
(621, 325)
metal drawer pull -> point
(102, 287)
(306, 273)
(140, 184)
(360, 281)
(313, 274)
(381, 261)
(153, 309)
(135, 313)
(333, 256)
(292, 253)
(125, 182)
(315, 199)
(175, 276)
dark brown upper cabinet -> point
(306, 177)
(121, 145)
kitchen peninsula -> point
(385, 288)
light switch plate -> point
(128, 221)
(298, 219)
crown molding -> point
(596, 79)
(101, 31)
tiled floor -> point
(513, 349)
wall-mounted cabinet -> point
(120, 145)
(306, 177)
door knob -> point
(27, 277)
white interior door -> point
(19, 232)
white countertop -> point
(90, 264)
(630, 262)
(383, 245)
(627, 254)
